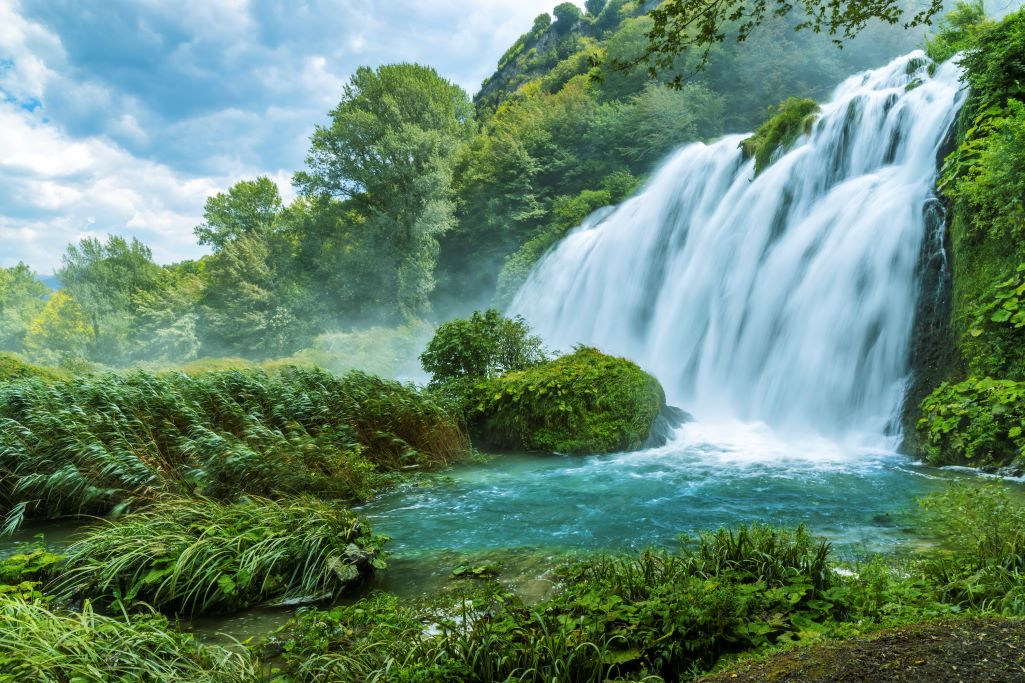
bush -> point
(479, 347)
(788, 120)
(38, 643)
(959, 30)
(104, 442)
(197, 556)
(978, 422)
(984, 566)
(585, 402)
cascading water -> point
(786, 298)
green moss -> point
(790, 118)
(978, 422)
(585, 402)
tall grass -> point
(100, 443)
(193, 556)
(43, 645)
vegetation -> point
(978, 422)
(973, 417)
(669, 615)
(789, 120)
(106, 442)
(13, 366)
(39, 643)
(482, 346)
(584, 402)
(197, 556)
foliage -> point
(656, 616)
(699, 25)
(985, 179)
(787, 122)
(198, 556)
(482, 346)
(38, 643)
(249, 207)
(105, 442)
(22, 298)
(959, 30)
(977, 422)
(391, 143)
(585, 402)
(60, 332)
(103, 278)
(984, 566)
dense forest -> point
(418, 203)
(223, 440)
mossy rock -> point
(13, 367)
(585, 402)
(790, 119)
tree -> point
(594, 7)
(567, 16)
(249, 206)
(391, 144)
(22, 297)
(682, 25)
(482, 346)
(167, 315)
(60, 332)
(246, 309)
(103, 278)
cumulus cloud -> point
(122, 116)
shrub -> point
(38, 643)
(978, 422)
(585, 402)
(481, 346)
(788, 120)
(104, 442)
(984, 566)
(196, 556)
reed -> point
(104, 443)
(44, 645)
(192, 556)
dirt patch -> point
(958, 651)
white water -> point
(787, 299)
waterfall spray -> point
(786, 298)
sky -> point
(123, 116)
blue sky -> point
(124, 115)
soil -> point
(957, 651)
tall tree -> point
(103, 278)
(22, 297)
(249, 206)
(391, 143)
(60, 333)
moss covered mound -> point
(585, 402)
(978, 422)
(790, 119)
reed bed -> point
(193, 556)
(103, 443)
(45, 645)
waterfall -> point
(785, 299)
